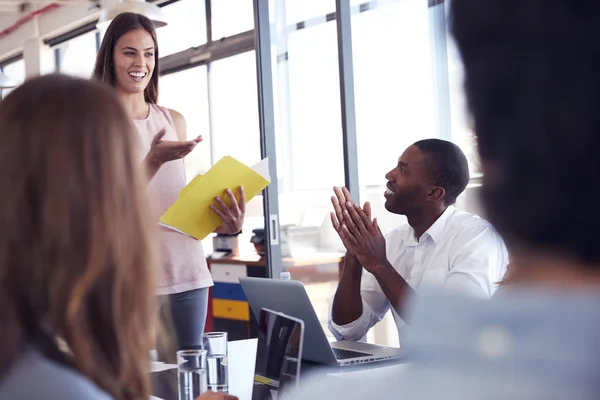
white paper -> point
(174, 229)
(157, 366)
(262, 168)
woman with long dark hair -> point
(128, 61)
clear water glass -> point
(215, 344)
(191, 374)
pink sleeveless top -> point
(184, 266)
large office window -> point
(187, 93)
(462, 130)
(15, 71)
(394, 93)
(315, 130)
(234, 109)
(186, 27)
(309, 143)
(230, 17)
(306, 10)
(77, 56)
(234, 125)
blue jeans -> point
(188, 313)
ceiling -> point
(14, 6)
(9, 6)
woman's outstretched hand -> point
(162, 151)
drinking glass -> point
(215, 344)
(191, 377)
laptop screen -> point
(278, 355)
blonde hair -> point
(77, 245)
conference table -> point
(241, 359)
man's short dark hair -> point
(532, 80)
(446, 166)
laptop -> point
(290, 298)
(278, 355)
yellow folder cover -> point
(190, 214)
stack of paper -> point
(191, 213)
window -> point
(309, 129)
(394, 93)
(462, 131)
(15, 71)
(186, 27)
(314, 102)
(306, 10)
(234, 125)
(230, 17)
(234, 108)
(78, 55)
(187, 93)
(309, 144)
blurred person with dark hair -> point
(128, 60)
(440, 245)
(533, 89)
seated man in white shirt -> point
(440, 245)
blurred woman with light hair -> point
(77, 246)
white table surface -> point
(242, 357)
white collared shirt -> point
(460, 251)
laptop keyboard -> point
(342, 354)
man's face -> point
(408, 184)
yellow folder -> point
(190, 214)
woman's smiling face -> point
(134, 60)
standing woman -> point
(128, 61)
